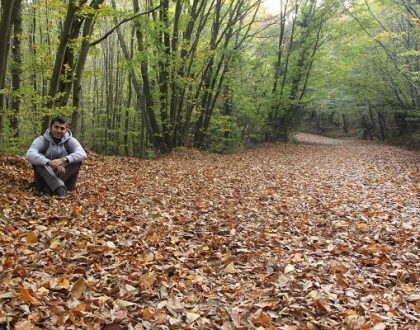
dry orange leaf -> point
(27, 296)
(362, 226)
(147, 314)
(263, 319)
(75, 212)
(376, 318)
(339, 277)
(32, 238)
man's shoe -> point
(42, 191)
(61, 191)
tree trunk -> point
(345, 122)
(16, 68)
(7, 7)
(60, 58)
(163, 74)
(382, 125)
(81, 61)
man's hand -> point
(60, 169)
(56, 163)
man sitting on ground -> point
(56, 157)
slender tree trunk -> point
(174, 85)
(163, 74)
(282, 28)
(16, 68)
(81, 62)
(155, 134)
(63, 55)
(382, 124)
(127, 118)
(345, 122)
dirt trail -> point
(318, 139)
(318, 235)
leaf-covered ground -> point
(318, 235)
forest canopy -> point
(143, 77)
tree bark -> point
(7, 7)
(81, 62)
(16, 68)
(60, 58)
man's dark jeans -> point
(46, 177)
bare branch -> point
(125, 20)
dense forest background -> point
(142, 77)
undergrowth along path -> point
(318, 235)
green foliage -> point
(363, 56)
(223, 135)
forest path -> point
(318, 139)
(315, 236)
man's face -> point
(58, 130)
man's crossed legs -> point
(48, 182)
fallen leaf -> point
(75, 212)
(362, 226)
(154, 238)
(55, 244)
(191, 317)
(78, 289)
(289, 268)
(27, 296)
(322, 307)
(26, 325)
(147, 280)
(111, 245)
(230, 269)
(124, 303)
(147, 314)
(32, 238)
(263, 319)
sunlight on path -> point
(318, 139)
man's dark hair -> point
(58, 119)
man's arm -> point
(77, 154)
(34, 155)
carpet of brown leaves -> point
(302, 236)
